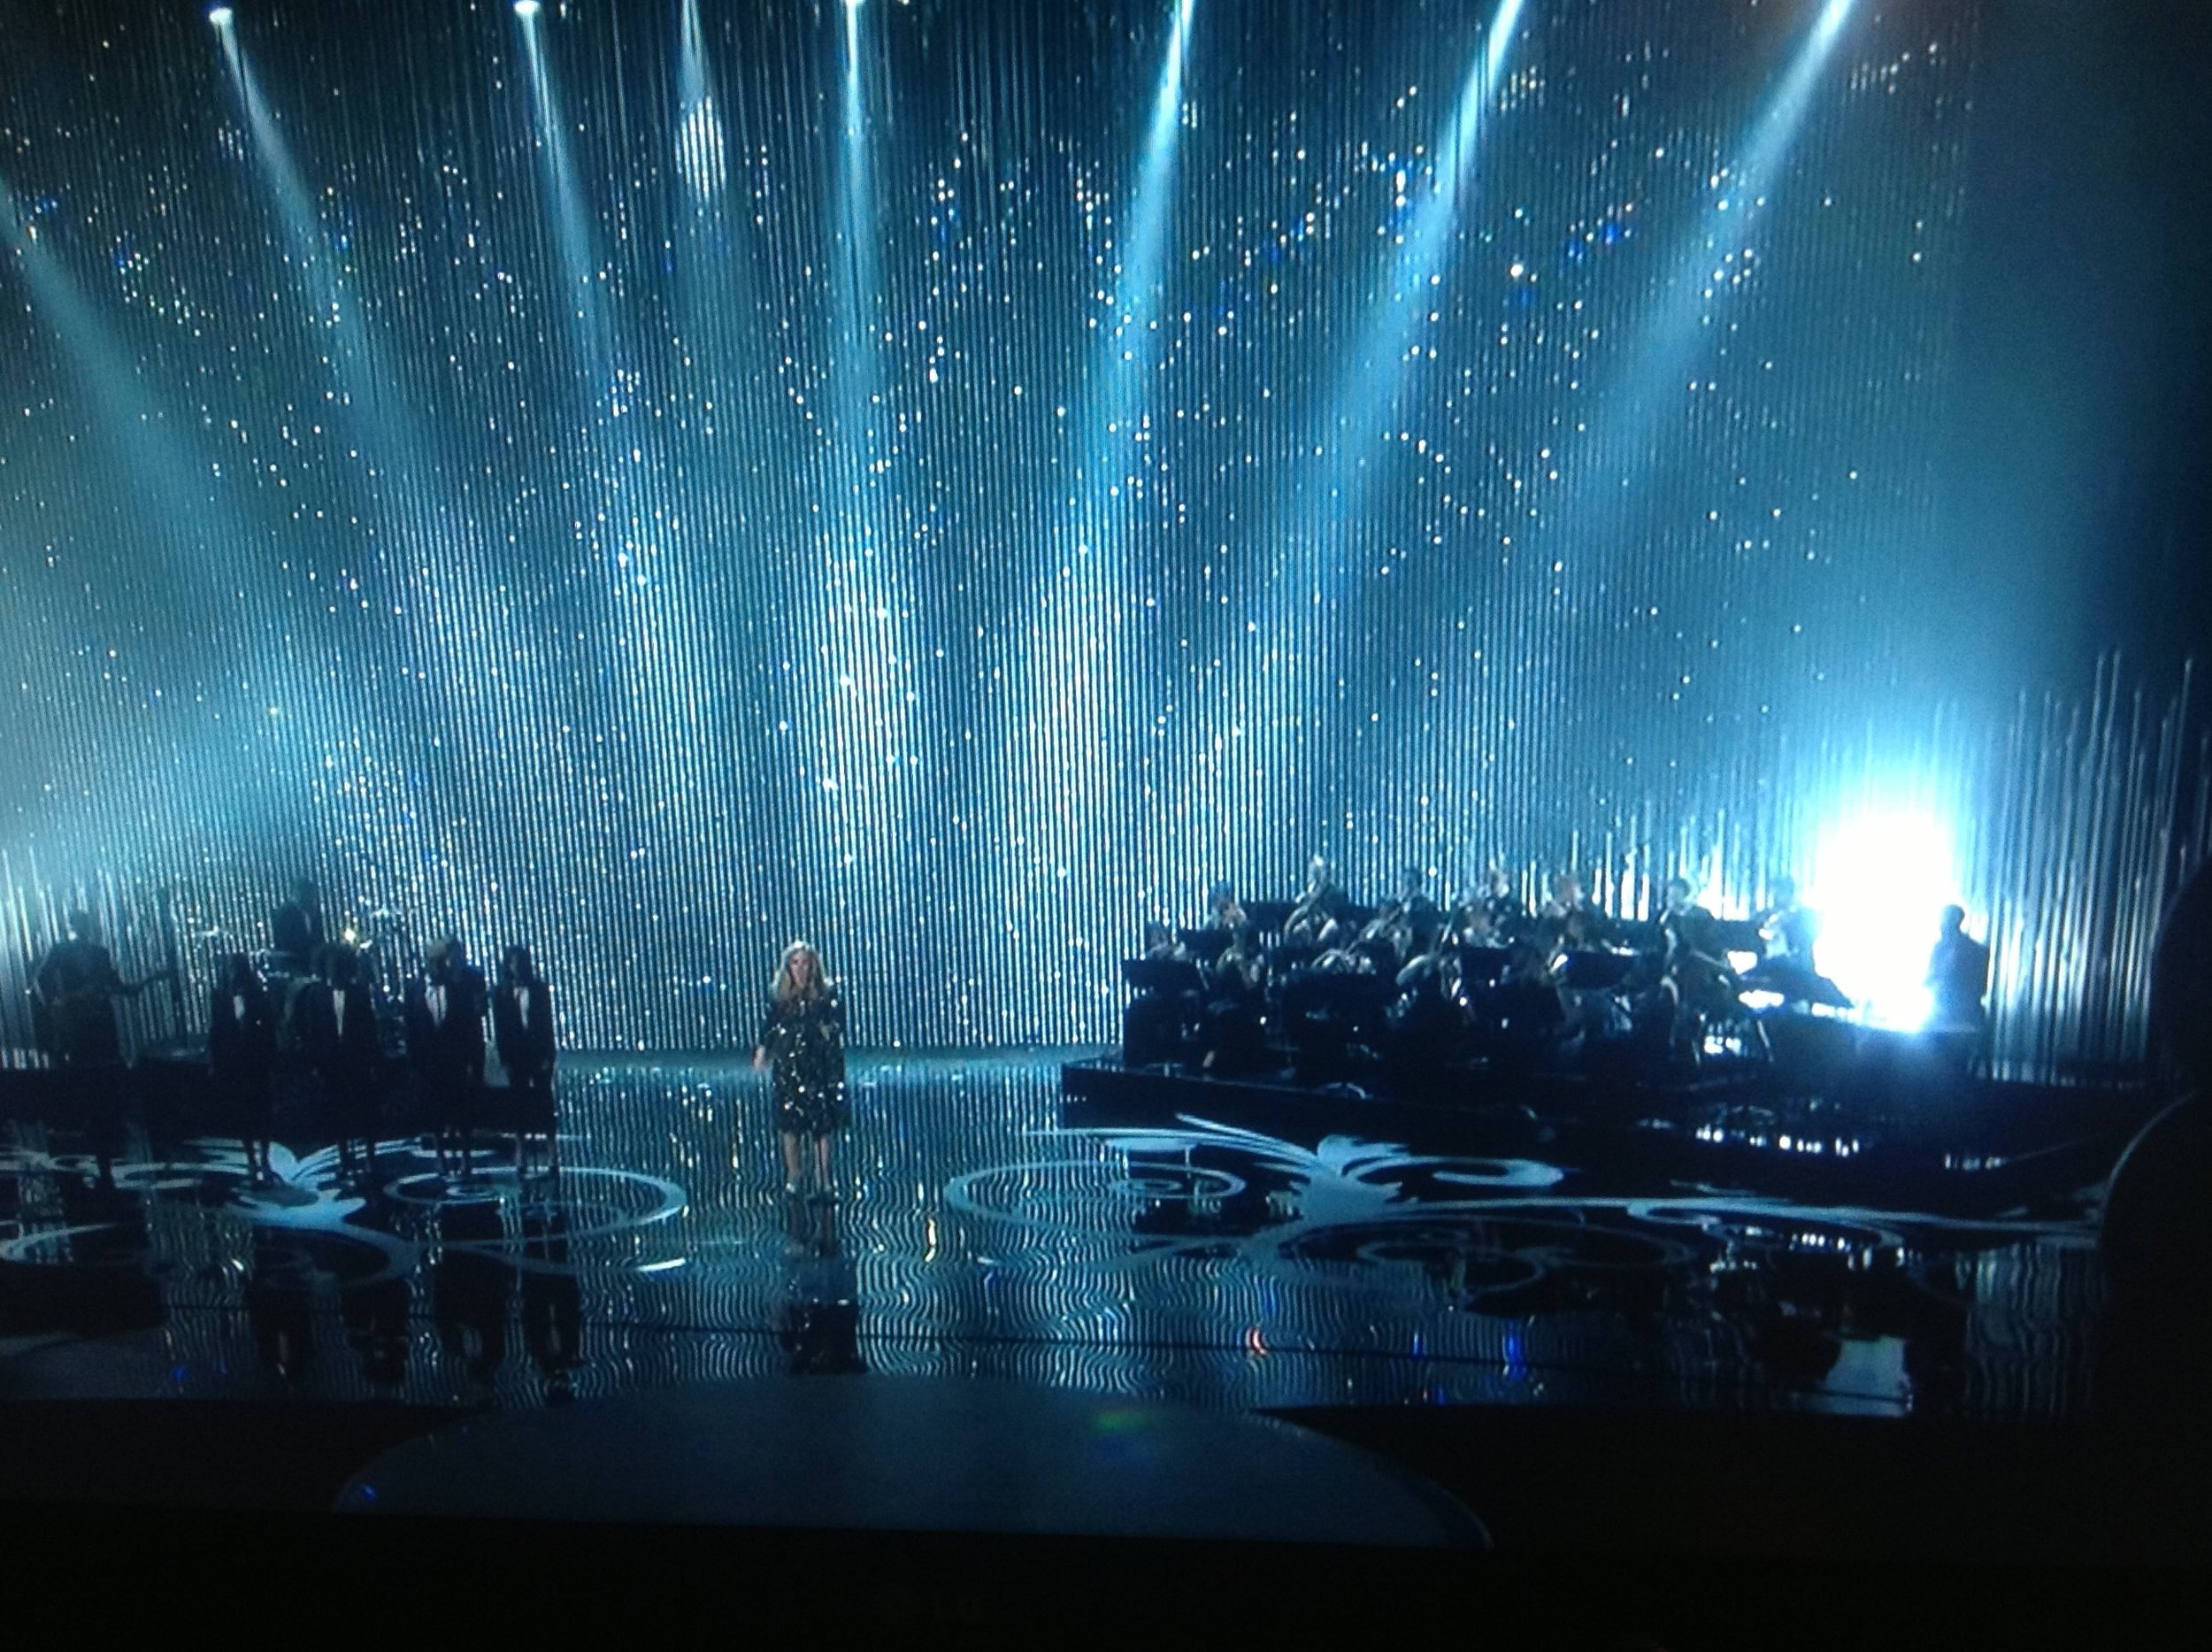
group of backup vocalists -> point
(317, 1005)
(310, 1012)
(1413, 991)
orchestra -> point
(1408, 992)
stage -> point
(1208, 1252)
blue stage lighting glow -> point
(527, 10)
(947, 485)
(1878, 875)
(220, 16)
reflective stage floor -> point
(975, 1235)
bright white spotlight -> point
(1881, 877)
(525, 9)
(219, 17)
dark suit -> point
(345, 1053)
(446, 1047)
(522, 1026)
(242, 1048)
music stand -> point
(1345, 994)
(1205, 945)
(1735, 934)
(1639, 936)
(1483, 966)
(1267, 917)
(1167, 977)
(1793, 985)
(1598, 970)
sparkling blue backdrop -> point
(948, 479)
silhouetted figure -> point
(338, 1033)
(445, 1046)
(522, 1025)
(2156, 1342)
(803, 1034)
(241, 1051)
(76, 989)
(1958, 982)
(1582, 930)
(296, 928)
(1223, 911)
(1527, 1015)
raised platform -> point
(1905, 1138)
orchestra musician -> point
(1685, 923)
(241, 1050)
(1787, 930)
(1318, 907)
(1234, 1037)
(1507, 909)
(1473, 925)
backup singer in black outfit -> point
(337, 1029)
(445, 1041)
(522, 1023)
(803, 1035)
(242, 1048)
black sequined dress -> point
(805, 1041)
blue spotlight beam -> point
(213, 546)
(852, 684)
(649, 589)
(1683, 317)
(1285, 661)
(454, 612)
(1071, 693)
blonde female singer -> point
(803, 1035)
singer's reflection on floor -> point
(818, 1321)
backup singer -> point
(336, 1019)
(803, 1035)
(522, 1026)
(242, 1049)
(445, 1042)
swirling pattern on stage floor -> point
(974, 1234)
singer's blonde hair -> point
(785, 985)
